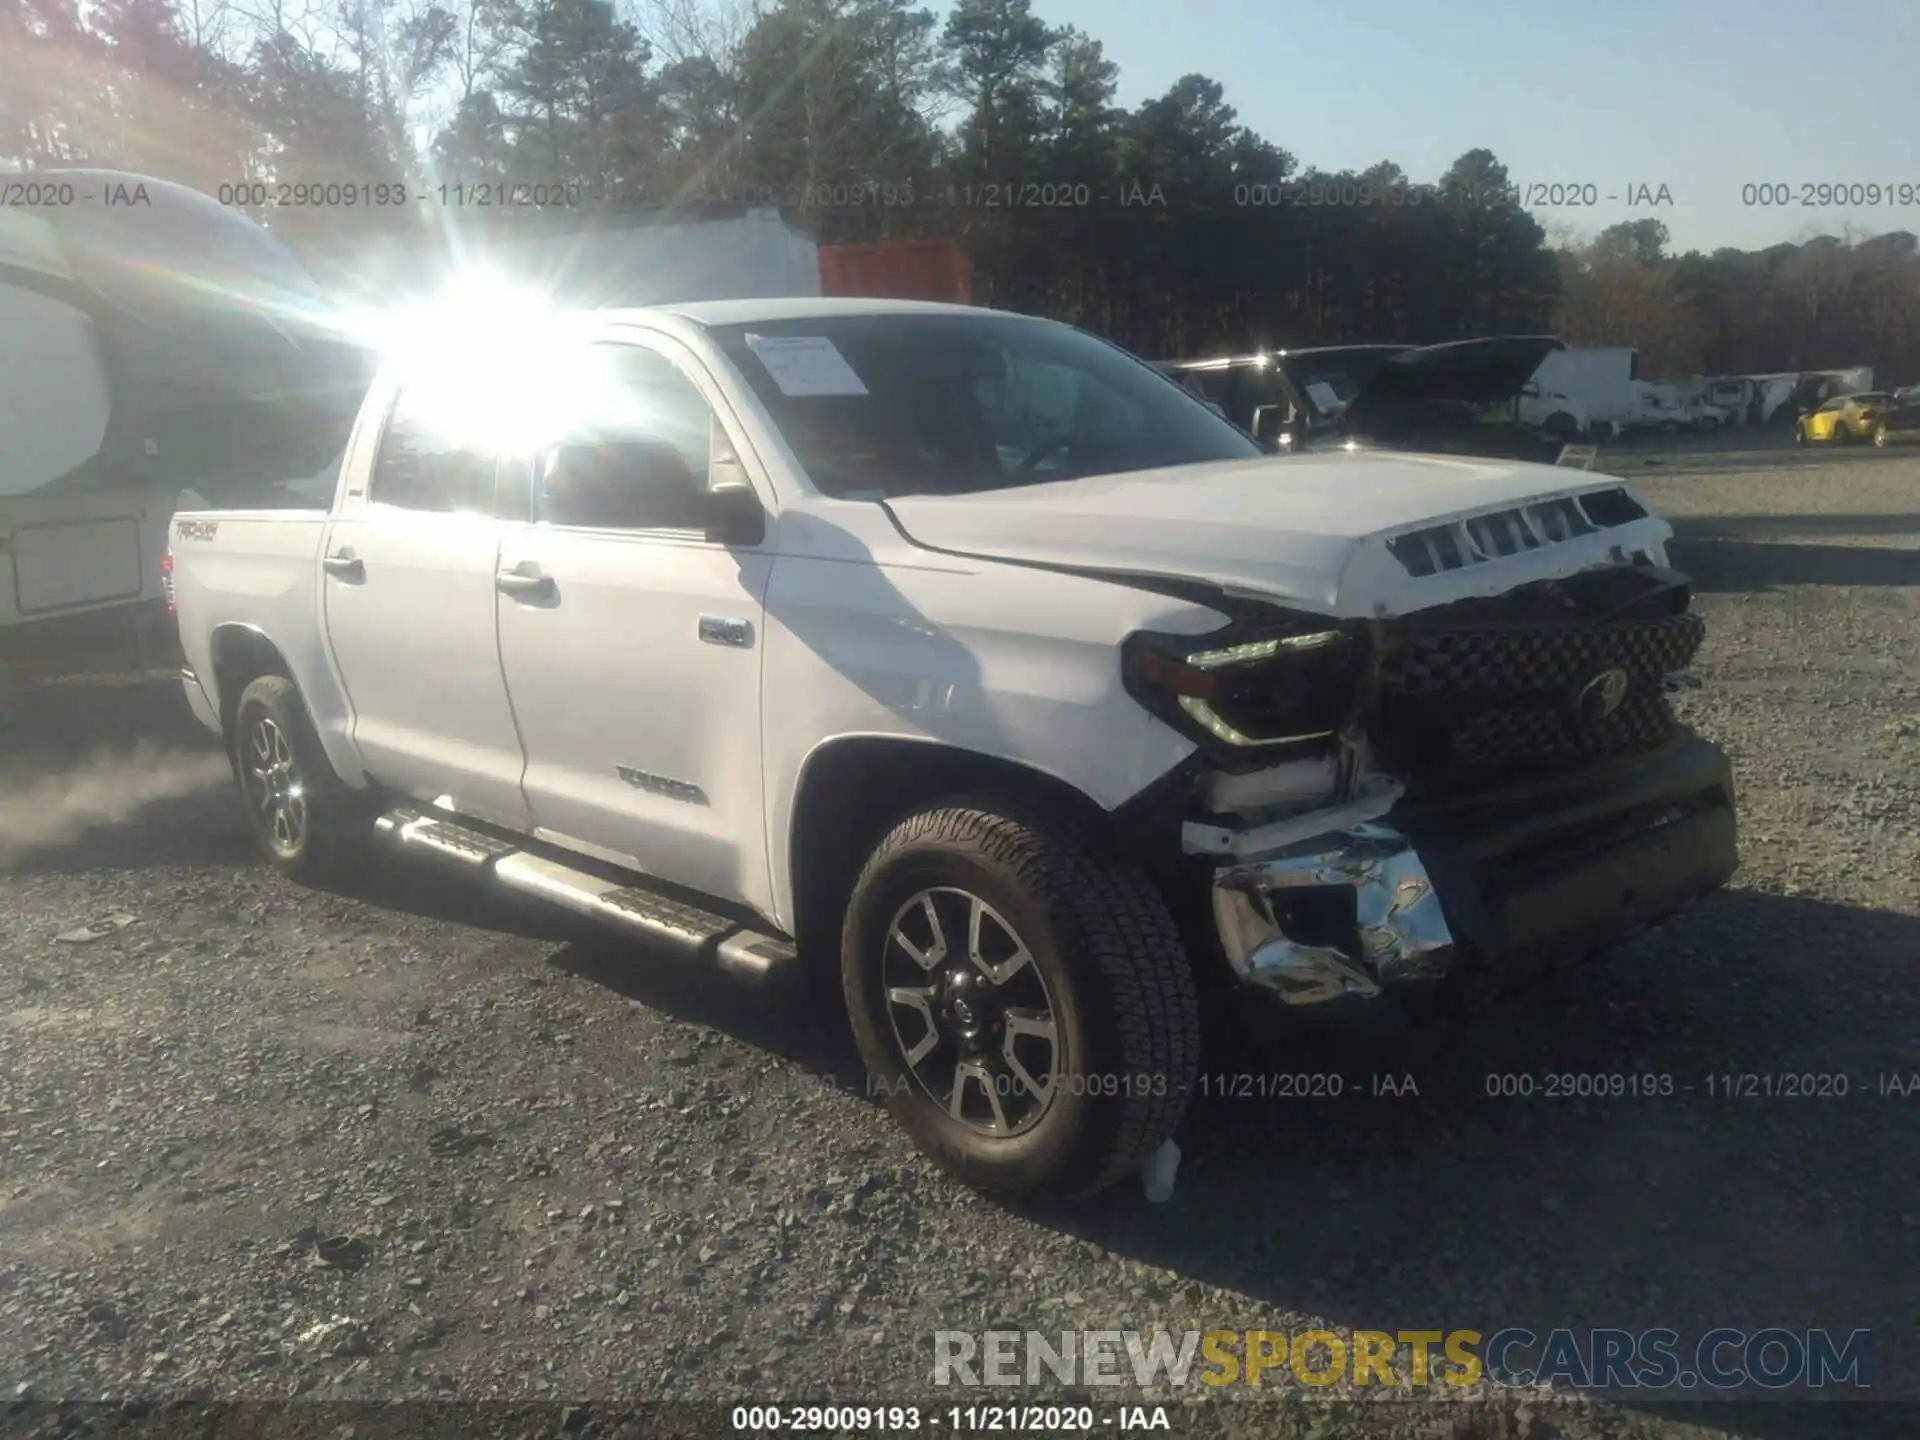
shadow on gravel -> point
(417, 885)
(1733, 527)
(1725, 565)
(795, 1016)
(1460, 1206)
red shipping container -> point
(934, 268)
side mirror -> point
(1273, 427)
(619, 484)
(734, 512)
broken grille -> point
(1458, 704)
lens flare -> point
(488, 362)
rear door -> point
(410, 595)
(632, 642)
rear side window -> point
(426, 462)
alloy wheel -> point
(276, 787)
(970, 1012)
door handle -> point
(347, 566)
(524, 585)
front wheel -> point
(1799, 434)
(1841, 436)
(1880, 435)
(307, 821)
(1023, 1002)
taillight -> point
(166, 581)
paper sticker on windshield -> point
(806, 365)
(1322, 395)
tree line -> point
(1170, 226)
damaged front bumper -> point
(1494, 883)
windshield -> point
(904, 404)
(1329, 379)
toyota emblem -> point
(1601, 695)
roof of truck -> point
(746, 312)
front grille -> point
(1456, 704)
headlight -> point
(1248, 691)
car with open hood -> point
(1463, 397)
(966, 655)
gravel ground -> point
(409, 1142)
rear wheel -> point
(306, 820)
(1841, 436)
(1880, 435)
(1800, 434)
(1023, 1002)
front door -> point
(632, 643)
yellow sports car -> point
(1843, 419)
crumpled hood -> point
(1310, 530)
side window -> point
(637, 458)
(1210, 385)
(428, 460)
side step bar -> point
(735, 948)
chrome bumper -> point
(198, 702)
(1399, 933)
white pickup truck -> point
(970, 653)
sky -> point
(1598, 97)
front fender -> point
(1002, 661)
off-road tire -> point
(336, 819)
(1120, 981)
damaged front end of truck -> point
(1387, 807)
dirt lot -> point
(409, 1142)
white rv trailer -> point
(151, 340)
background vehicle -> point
(1665, 409)
(150, 340)
(1552, 412)
(1603, 379)
(1464, 396)
(1461, 398)
(962, 646)
(1843, 420)
(1284, 398)
(1899, 421)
